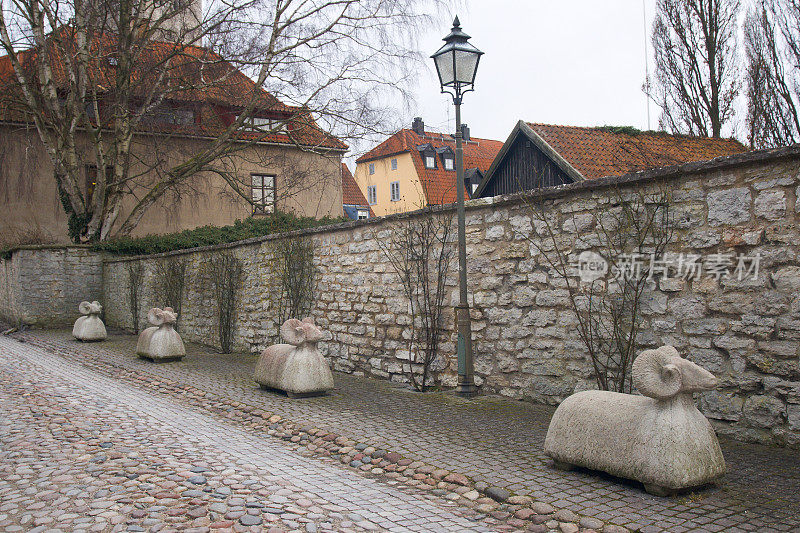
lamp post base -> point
(467, 390)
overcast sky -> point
(579, 62)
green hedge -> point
(211, 235)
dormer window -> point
(448, 157)
(166, 113)
(428, 154)
(261, 123)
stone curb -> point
(519, 512)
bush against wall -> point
(421, 252)
(170, 276)
(633, 228)
(225, 272)
(293, 264)
(135, 275)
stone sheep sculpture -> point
(161, 343)
(660, 439)
(89, 327)
(296, 368)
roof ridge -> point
(651, 133)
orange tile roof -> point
(351, 193)
(194, 75)
(599, 152)
(438, 184)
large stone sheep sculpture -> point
(161, 343)
(296, 368)
(89, 327)
(660, 439)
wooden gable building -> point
(544, 155)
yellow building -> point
(414, 168)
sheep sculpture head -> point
(90, 308)
(159, 317)
(299, 332)
(662, 374)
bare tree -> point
(420, 249)
(609, 309)
(695, 48)
(772, 47)
(103, 81)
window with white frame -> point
(363, 214)
(395, 191)
(262, 123)
(430, 161)
(371, 169)
(448, 163)
(372, 194)
(394, 164)
(263, 191)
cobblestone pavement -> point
(81, 451)
(489, 439)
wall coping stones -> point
(47, 247)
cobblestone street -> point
(71, 399)
(81, 451)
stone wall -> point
(43, 285)
(526, 343)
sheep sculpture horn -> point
(293, 332)
(654, 375)
(155, 316)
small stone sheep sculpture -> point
(296, 368)
(89, 327)
(660, 439)
(161, 343)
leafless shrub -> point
(171, 278)
(225, 271)
(636, 226)
(25, 234)
(135, 274)
(421, 250)
(293, 263)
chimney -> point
(465, 132)
(418, 126)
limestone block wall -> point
(43, 285)
(526, 342)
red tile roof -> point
(438, 184)
(194, 75)
(351, 193)
(599, 152)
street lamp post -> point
(456, 64)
